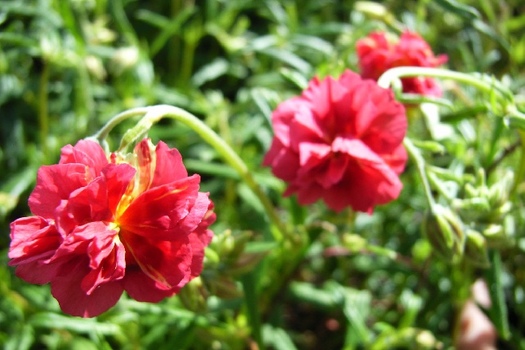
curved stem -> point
(393, 74)
(103, 133)
(420, 165)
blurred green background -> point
(67, 66)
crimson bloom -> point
(378, 52)
(103, 225)
(340, 141)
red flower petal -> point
(376, 55)
(97, 241)
(118, 178)
(158, 166)
(66, 288)
(283, 160)
(159, 212)
(201, 237)
(32, 238)
(141, 287)
(165, 262)
(85, 152)
(33, 241)
(169, 166)
(55, 183)
(98, 200)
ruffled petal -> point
(66, 288)
(284, 163)
(99, 243)
(141, 287)
(158, 165)
(157, 213)
(169, 167)
(85, 152)
(168, 263)
(201, 237)
(32, 238)
(118, 178)
(55, 183)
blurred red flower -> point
(100, 226)
(340, 141)
(378, 52)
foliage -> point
(347, 280)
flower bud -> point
(444, 231)
(476, 249)
(194, 295)
(124, 58)
(246, 262)
(498, 235)
(483, 203)
(498, 193)
(224, 287)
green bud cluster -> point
(465, 230)
(485, 207)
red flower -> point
(340, 141)
(101, 226)
(377, 54)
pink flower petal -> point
(141, 287)
(169, 167)
(32, 238)
(66, 288)
(106, 255)
(157, 213)
(118, 178)
(168, 263)
(85, 152)
(376, 55)
(55, 183)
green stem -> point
(520, 171)
(414, 153)
(103, 133)
(391, 75)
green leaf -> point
(77, 325)
(172, 26)
(306, 292)
(464, 11)
(211, 71)
(356, 308)
(289, 59)
(277, 338)
(249, 283)
(498, 312)
(294, 77)
(21, 340)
